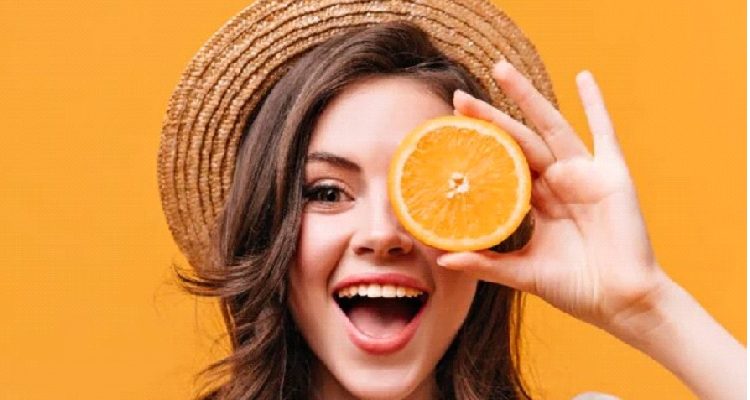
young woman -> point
(307, 216)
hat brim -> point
(243, 60)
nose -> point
(380, 234)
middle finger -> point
(554, 129)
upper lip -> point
(392, 278)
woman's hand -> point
(590, 254)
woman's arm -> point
(673, 329)
(590, 255)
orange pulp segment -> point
(458, 183)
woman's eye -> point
(325, 194)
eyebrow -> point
(333, 159)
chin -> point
(382, 384)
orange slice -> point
(459, 183)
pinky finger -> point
(600, 124)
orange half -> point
(459, 183)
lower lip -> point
(387, 345)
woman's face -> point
(369, 299)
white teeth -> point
(388, 291)
(374, 290)
(377, 290)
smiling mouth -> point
(380, 311)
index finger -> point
(553, 128)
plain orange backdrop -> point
(89, 308)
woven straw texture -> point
(242, 61)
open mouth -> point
(380, 311)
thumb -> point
(512, 270)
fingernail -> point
(460, 94)
(502, 68)
(446, 260)
(583, 76)
(441, 261)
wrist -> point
(648, 314)
(671, 327)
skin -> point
(590, 255)
(357, 232)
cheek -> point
(462, 289)
(319, 249)
(457, 285)
(322, 242)
(456, 294)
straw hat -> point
(243, 60)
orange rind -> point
(458, 184)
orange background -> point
(89, 310)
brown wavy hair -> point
(256, 233)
